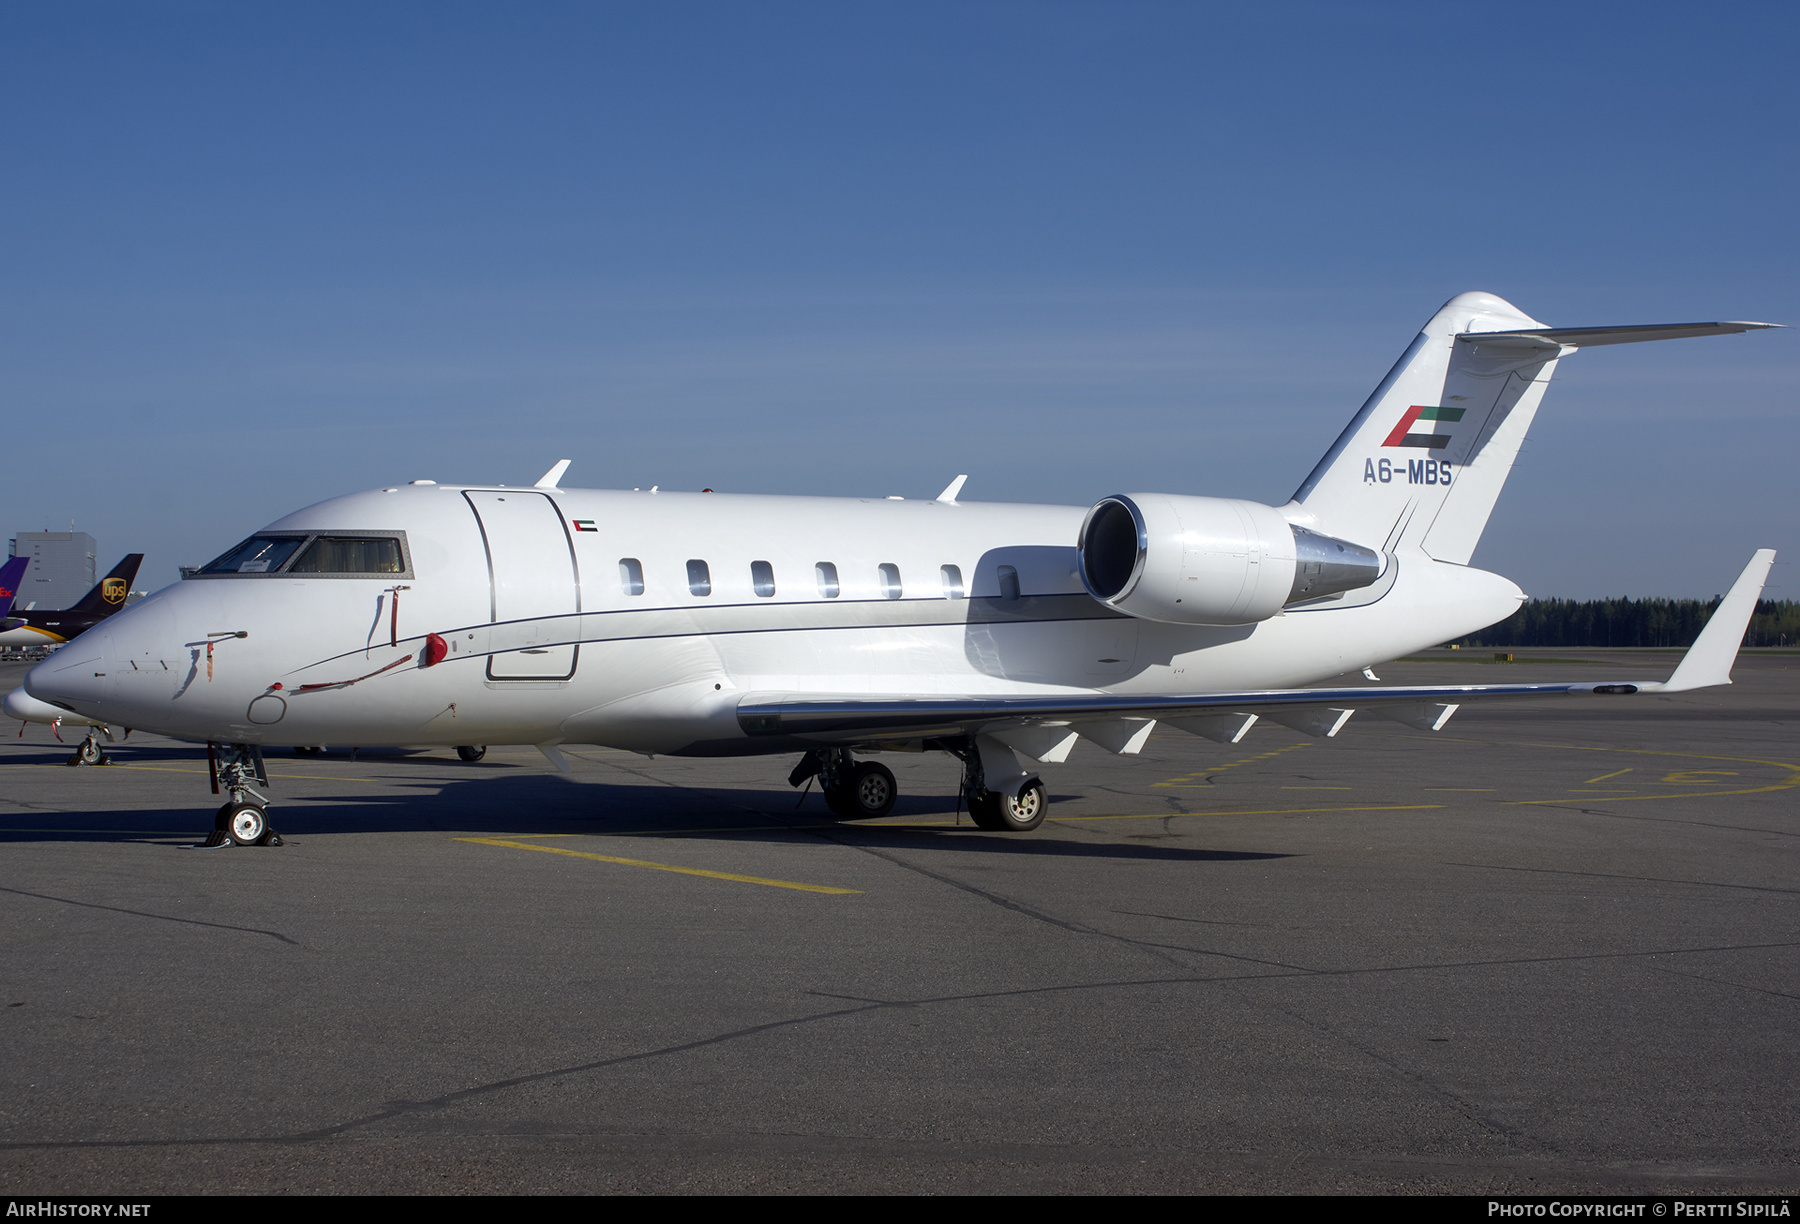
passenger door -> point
(535, 585)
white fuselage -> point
(530, 591)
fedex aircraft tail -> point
(1422, 464)
(108, 595)
(10, 575)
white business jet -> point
(720, 625)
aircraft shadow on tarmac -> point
(502, 799)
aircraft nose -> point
(75, 677)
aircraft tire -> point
(984, 810)
(89, 752)
(839, 801)
(1005, 814)
(869, 791)
(872, 789)
(468, 753)
(246, 823)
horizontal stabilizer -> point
(1557, 338)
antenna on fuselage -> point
(548, 479)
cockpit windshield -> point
(335, 556)
(260, 554)
(350, 555)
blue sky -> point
(255, 255)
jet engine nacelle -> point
(1210, 560)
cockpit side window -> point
(260, 554)
(350, 555)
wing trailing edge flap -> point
(1320, 722)
(1045, 728)
(1051, 742)
(1046, 742)
(1220, 728)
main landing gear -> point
(244, 819)
(1018, 808)
(853, 789)
(471, 754)
(859, 789)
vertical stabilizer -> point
(108, 595)
(10, 576)
(1423, 462)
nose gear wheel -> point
(244, 819)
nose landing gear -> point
(89, 751)
(244, 819)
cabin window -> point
(259, 554)
(953, 587)
(762, 578)
(350, 555)
(699, 578)
(890, 581)
(1009, 582)
(631, 576)
(826, 573)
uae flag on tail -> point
(1425, 441)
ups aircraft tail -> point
(108, 595)
(1422, 464)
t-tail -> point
(1422, 464)
(108, 595)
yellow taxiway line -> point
(625, 862)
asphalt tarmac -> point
(1552, 948)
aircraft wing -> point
(1044, 727)
(1323, 711)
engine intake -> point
(1211, 560)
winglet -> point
(549, 479)
(1708, 661)
(948, 496)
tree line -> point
(1632, 622)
